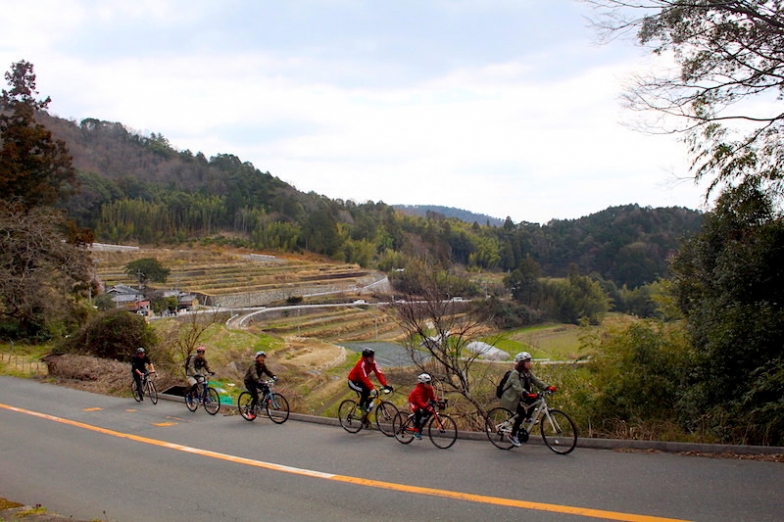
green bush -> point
(111, 335)
(639, 374)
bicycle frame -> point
(436, 418)
(202, 383)
(541, 410)
(145, 378)
(268, 396)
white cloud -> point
(533, 135)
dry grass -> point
(96, 375)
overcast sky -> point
(502, 107)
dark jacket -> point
(256, 371)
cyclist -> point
(518, 393)
(421, 400)
(254, 377)
(197, 366)
(359, 380)
(139, 363)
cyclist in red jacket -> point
(421, 400)
(359, 379)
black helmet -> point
(367, 352)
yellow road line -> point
(391, 486)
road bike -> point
(352, 419)
(441, 428)
(203, 394)
(272, 404)
(558, 431)
(148, 387)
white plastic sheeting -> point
(486, 351)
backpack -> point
(187, 362)
(501, 388)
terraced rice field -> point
(332, 324)
(215, 275)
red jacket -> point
(362, 370)
(420, 396)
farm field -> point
(219, 277)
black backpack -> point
(501, 388)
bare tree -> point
(726, 92)
(188, 337)
(43, 277)
(440, 329)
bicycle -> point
(148, 387)
(558, 430)
(203, 394)
(352, 419)
(441, 428)
(274, 405)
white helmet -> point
(260, 353)
(522, 356)
(424, 378)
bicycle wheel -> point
(191, 400)
(444, 433)
(558, 431)
(135, 391)
(212, 402)
(243, 404)
(385, 414)
(152, 391)
(277, 408)
(401, 428)
(350, 416)
(498, 427)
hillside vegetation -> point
(137, 188)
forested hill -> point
(137, 188)
(449, 212)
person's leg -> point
(139, 390)
(364, 398)
(418, 414)
(364, 393)
(193, 389)
(521, 414)
(254, 392)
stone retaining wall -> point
(265, 297)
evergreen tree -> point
(35, 168)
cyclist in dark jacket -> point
(197, 367)
(254, 376)
(139, 363)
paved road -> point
(96, 457)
